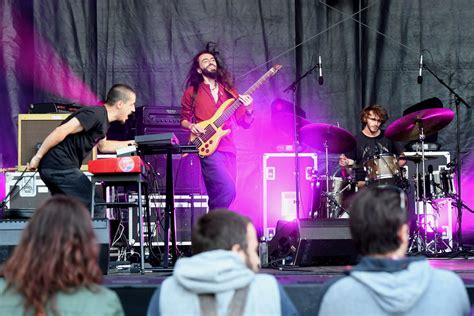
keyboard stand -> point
(169, 229)
(118, 178)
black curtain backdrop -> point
(57, 50)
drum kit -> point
(331, 195)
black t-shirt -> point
(74, 148)
(370, 147)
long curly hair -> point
(57, 252)
(194, 78)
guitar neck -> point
(236, 104)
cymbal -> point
(408, 127)
(317, 135)
(417, 157)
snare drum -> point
(382, 167)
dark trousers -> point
(72, 182)
(219, 172)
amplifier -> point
(162, 116)
(33, 129)
(11, 230)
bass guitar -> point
(207, 142)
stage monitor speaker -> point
(33, 129)
(314, 242)
(11, 230)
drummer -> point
(370, 142)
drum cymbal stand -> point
(423, 184)
(415, 239)
(425, 225)
(326, 147)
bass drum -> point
(339, 196)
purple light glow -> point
(2, 186)
(467, 186)
(268, 136)
(37, 63)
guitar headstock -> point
(275, 69)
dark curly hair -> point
(57, 252)
(194, 78)
(377, 110)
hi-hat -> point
(318, 135)
(417, 157)
(409, 127)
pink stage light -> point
(37, 63)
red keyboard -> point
(133, 164)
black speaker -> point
(11, 230)
(310, 242)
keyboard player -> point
(61, 154)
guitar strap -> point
(230, 91)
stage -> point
(303, 285)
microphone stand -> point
(457, 100)
(293, 87)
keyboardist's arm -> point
(110, 146)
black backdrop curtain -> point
(67, 51)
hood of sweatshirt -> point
(396, 285)
(213, 272)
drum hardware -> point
(333, 197)
(437, 243)
(330, 139)
(433, 245)
(418, 125)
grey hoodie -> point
(220, 272)
(396, 287)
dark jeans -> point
(219, 171)
(72, 182)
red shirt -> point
(205, 107)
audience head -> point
(226, 230)
(57, 252)
(378, 221)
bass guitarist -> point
(208, 87)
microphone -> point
(420, 71)
(320, 66)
